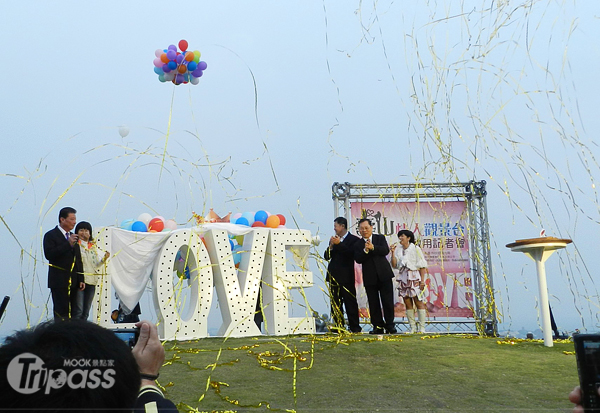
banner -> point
(440, 230)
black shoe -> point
(377, 330)
(356, 330)
(391, 330)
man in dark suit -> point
(65, 268)
(371, 251)
(340, 275)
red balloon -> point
(183, 45)
(258, 224)
(281, 219)
(156, 224)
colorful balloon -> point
(273, 221)
(186, 63)
(281, 219)
(261, 216)
(242, 221)
(145, 218)
(156, 224)
(138, 226)
(126, 224)
(170, 224)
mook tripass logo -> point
(27, 374)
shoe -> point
(391, 330)
(377, 330)
(356, 330)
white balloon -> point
(123, 131)
(194, 81)
(145, 218)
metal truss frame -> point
(473, 193)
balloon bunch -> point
(258, 219)
(178, 67)
(146, 223)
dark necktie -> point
(67, 235)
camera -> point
(128, 335)
(587, 351)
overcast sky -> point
(298, 95)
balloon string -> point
(162, 162)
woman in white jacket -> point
(412, 267)
(93, 262)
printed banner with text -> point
(440, 229)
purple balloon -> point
(171, 55)
(172, 47)
(179, 58)
(166, 68)
(197, 72)
(178, 79)
(202, 65)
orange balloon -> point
(164, 58)
(182, 69)
(273, 221)
(189, 56)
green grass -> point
(358, 373)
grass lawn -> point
(359, 373)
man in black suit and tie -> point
(65, 268)
(371, 251)
(340, 275)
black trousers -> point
(344, 296)
(60, 302)
(383, 291)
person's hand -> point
(369, 245)
(575, 397)
(148, 351)
(393, 248)
(73, 238)
(81, 286)
(334, 240)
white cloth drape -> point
(134, 254)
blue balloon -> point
(242, 221)
(261, 216)
(172, 65)
(237, 255)
(139, 226)
(231, 244)
(249, 217)
(192, 66)
(158, 70)
(126, 224)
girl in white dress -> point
(410, 262)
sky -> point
(297, 96)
